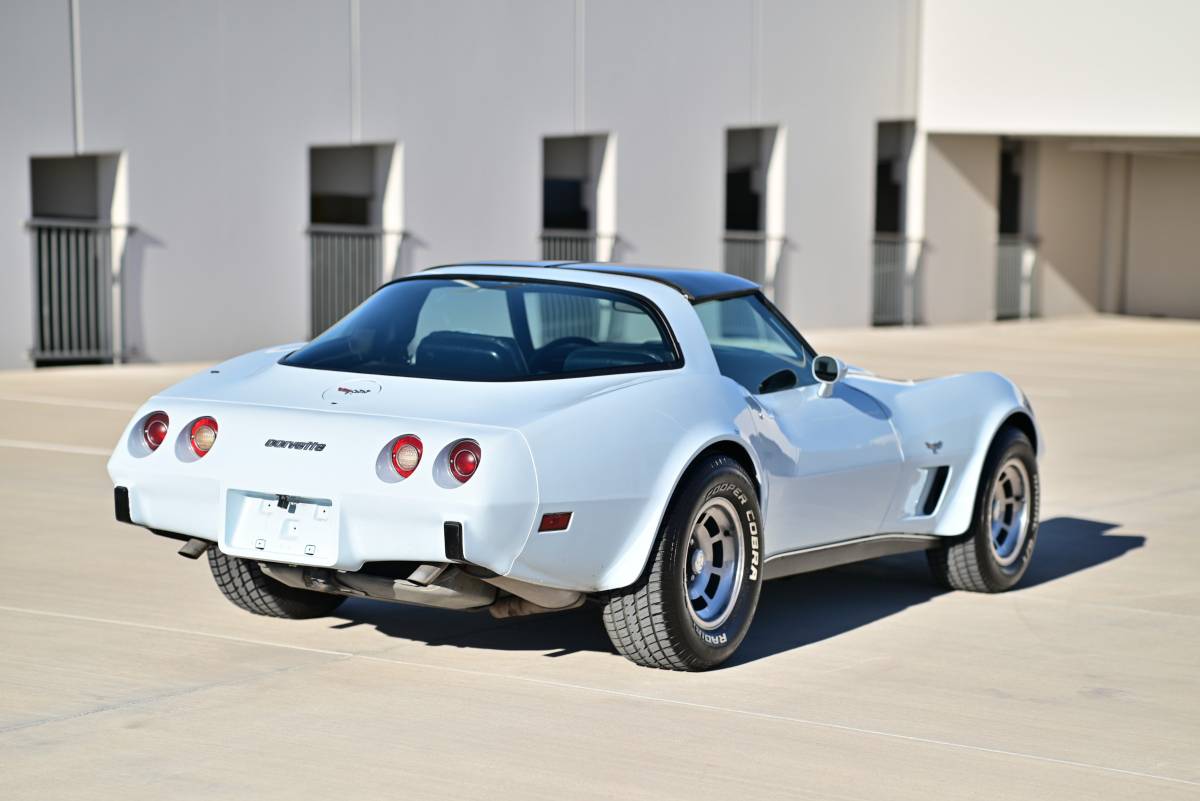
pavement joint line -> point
(54, 447)
(51, 400)
(629, 695)
(173, 630)
(1098, 605)
(134, 703)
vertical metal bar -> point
(339, 268)
(117, 295)
(54, 283)
(104, 275)
(81, 269)
(905, 283)
(1028, 254)
(73, 291)
(335, 254)
(43, 244)
(100, 296)
(51, 262)
(326, 258)
(312, 290)
(324, 276)
(87, 281)
(64, 305)
(83, 282)
(331, 271)
(77, 268)
(330, 279)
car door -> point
(832, 463)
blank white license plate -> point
(298, 530)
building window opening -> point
(754, 182)
(354, 231)
(1016, 249)
(78, 227)
(895, 255)
(578, 198)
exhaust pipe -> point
(443, 586)
(429, 585)
(514, 606)
(530, 599)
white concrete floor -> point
(124, 673)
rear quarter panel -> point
(614, 460)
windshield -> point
(482, 329)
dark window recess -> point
(742, 204)
(887, 198)
(562, 205)
(1010, 190)
(65, 188)
(339, 209)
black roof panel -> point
(696, 284)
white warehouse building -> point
(189, 180)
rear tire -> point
(246, 586)
(995, 552)
(693, 605)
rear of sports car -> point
(325, 488)
(461, 441)
(328, 473)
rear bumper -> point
(360, 532)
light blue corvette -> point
(529, 436)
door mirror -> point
(780, 379)
(828, 371)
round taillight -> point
(154, 430)
(406, 455)
(204, 434)
(464, 459)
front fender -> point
(949, 421)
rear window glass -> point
(493, 330)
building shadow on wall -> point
(133, 275)
(792, 612)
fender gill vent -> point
(937, 485)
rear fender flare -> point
(630, 565)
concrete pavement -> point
(125, 674)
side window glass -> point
(750, 343)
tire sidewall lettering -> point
(739, 495)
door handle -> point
(757, 407)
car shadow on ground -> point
(792, 612)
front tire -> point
(246, 586)
(693, 605)
(995, 553)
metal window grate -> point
(562, 245)
(897, 263)
(345, 263)
(745, 254)
(73, 282)
(1016, 265)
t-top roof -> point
(694, 284)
